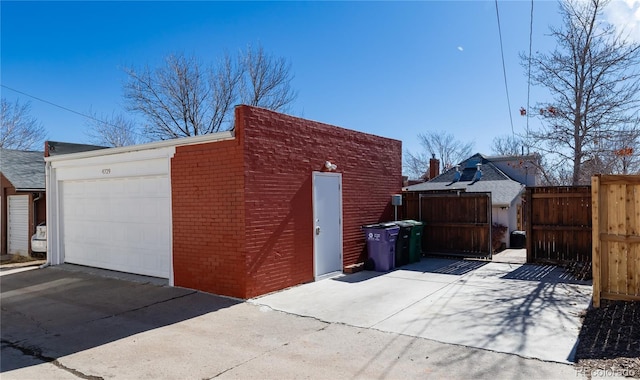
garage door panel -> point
(121, 224)
(18, 224)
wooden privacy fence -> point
(456, 223)
(616, 237)
(558, 224)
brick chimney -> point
(434, 167)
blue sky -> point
(393, 69)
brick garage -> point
(242, 211)
(254, 192)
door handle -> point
(317, 230)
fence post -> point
(528, 213)
(595, 233)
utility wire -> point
(59, 106)
(529, 69)
(504, 69)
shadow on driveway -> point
(456, 267)
(50, 313)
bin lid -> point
(414, 222)
(403, 224)
(381, 226)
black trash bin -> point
(381, 245)
(415, 246)
(518, 239)
(403, 243)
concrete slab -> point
(519, 309)
(512, 256)
(360, 299)
(344, 352)
(60, 324)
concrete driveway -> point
(528, 310)
(62, 323)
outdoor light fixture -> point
(329, 166)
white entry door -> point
(327, 218)
(18, 223)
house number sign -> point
(106, 171)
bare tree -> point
(445, 146)
(508, 145)
(267, 80)
(594, 82)
(173, 98)
(113, 130)
(415, 165)
(187, 98)
(20, 130)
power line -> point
(57, 105)
(529, 68)
(504, 69)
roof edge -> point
(210, 137)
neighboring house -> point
(23, 193)
(23, 200)
(276, 202)
(505, 177)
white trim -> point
(155, 160)
(211, 137)
(171, 276)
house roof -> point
(24, 169)
(502, 188)
(55, 148)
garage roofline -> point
(182, 141)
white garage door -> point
(18, 224)
(122, 224)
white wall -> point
(507, 216)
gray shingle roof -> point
(502, 188)
(24, 169)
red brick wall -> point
(208, 217)
(242, 209)
(280, 154)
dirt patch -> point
(11, 260)
(609, 341)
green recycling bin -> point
(415, 242)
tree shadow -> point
(548, 295)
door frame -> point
(313, 206)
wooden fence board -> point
(596, 219)
(559, 224)
(616, 237)
(454, 223)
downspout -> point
(35, 210)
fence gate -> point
(616, 237)
(558, 220)
(456, 223)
